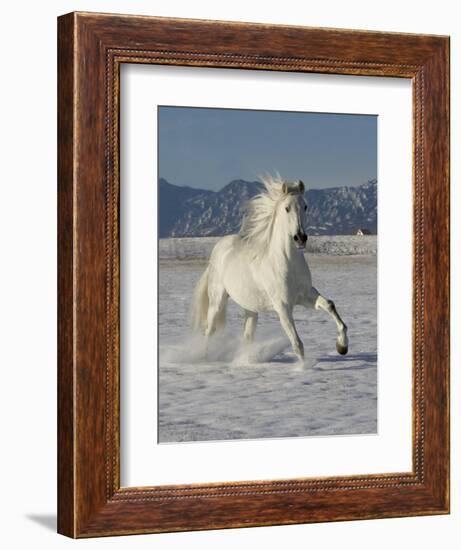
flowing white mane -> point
(258, 219)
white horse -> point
(264, 268)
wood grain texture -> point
(66, 487)
(91, 49)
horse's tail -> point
(200, 303)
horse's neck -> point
(281, 250)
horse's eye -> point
(287, 208)
(305, 207)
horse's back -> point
(221, 251)
(223, 246)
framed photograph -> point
(253, 257)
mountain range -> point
(193, 212)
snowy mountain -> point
(192, 212)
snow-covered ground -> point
(260, 392)
(189, 248)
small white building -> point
(362, 231)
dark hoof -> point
(342, 350)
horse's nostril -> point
(295, 238)
(304, 238)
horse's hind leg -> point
(216, 308)
(320, 302)
(251, 320)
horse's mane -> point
(258, 219)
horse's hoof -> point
(342, 350)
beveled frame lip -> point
(91, 48)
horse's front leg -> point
(285, 314)
(320, 302)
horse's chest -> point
(296, 286)
(290, 284)
(258, 287)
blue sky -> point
(207, 148)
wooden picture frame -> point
(91, 48)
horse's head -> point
(292, 212)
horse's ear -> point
(285, 188)
(301, 186)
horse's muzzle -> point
(300, 239)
